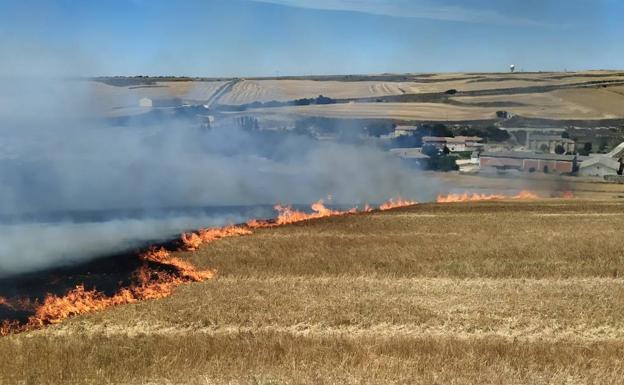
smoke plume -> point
(74, 187)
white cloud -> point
(411, 9)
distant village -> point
(541, 152)
(488, 149)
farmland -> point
(251, 90)
(484, 292)
(589, 95)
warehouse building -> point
(454, 144)
(411, 156)
(404, 130)
(600, 166)
(528, 161)
(549, 143)
(146, 102)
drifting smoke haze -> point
(58, 163)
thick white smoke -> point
(57, 163)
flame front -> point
(149, 283)
(192, 241)
(396, 203)
(476, 197)
(287, 215)
(567, 195)
(160, 273)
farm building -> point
(548, 143)
(454, 144)
(145, 102)
(404, 130)
(528, 161)
(600, 166)
(467, 165)
(411, 155)
(617, 152)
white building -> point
(456, 144)
(413, 155)
(617, 152)
(599, 166)
(145, 102)
(603, 165)
(549, 143)
(467, 165)
(404, 130)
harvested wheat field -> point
(516, 292)
(586, 103)
(263, 90)
(248, 91)
(589, 95)
(110, 100)
(592, 95)
(405, 111)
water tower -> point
(512, 68)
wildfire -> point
(183, 269)
(396, 203)
(475, 197)
(567, 195)
(192, 241)
(149, 283)
(287, 214)
(525, 195)
(159, 272)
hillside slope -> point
(493, 292)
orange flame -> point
(287, 214)
(258, 223)
(184, 269)
(151, 282)
(475, 197)
(567, 195)
(78, 301)
(396, 203)
(192, 241)
(8, 327)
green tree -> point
(603, 146)
(521, 136)
(496, 134)
(586, 150)
(431, 151)
(439, 129)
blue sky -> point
(298, 37)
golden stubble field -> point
(479, 293)
(264, 90)
(585, 100)
(581, 103)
